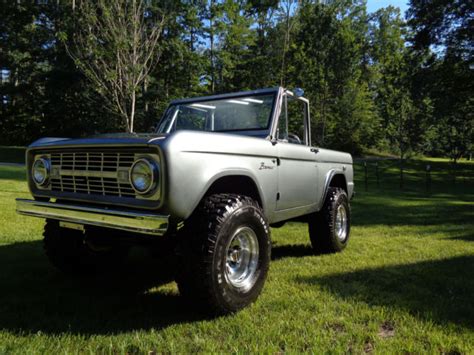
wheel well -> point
(237, 184)
(339, 180)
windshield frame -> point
(247, 131)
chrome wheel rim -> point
(341, 223)
(242, 259)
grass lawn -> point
(404, 284)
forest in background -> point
(401, 83)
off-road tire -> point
(203, 245)
(68, 250)
(322, 225)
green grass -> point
(12, 154)
(404, 284)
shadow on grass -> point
(412, 209)
(467, 237)
(439, 290)
(35, 297)
(291, 251)
(12, 154)
(13, 173)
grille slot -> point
(92, 173)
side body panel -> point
(193, 161)
(309, 178)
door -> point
(297, 170)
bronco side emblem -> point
(263, 166)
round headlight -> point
(144, 176)
(41, 169)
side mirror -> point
(299, 92)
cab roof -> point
(274, 90)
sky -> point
(374, 5)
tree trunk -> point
(211, 35)
(132, 111)
(145, 90)
(191, 47)
(285, 45)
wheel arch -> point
(334, 178)
(233, 182)
(238, 184)
(338, 180)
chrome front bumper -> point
(130, 221)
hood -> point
(102, 139)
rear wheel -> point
(329, 229)
(224, 251)
(76, 252)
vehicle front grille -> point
(92, 173)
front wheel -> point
(329, 229)
(224, 251)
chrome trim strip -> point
(130, 221)
(333, 162)
(87, 173)
(230, 153)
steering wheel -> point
(293, 138)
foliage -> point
(442, 38)
(374, 80)
(42, 92)
(328, 61)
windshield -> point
(221, 115)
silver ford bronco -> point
(215, 175)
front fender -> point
(194, 162)
(190, 175)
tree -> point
(392, 78)
(327, 57)
(42, 91)
(183, 66)
(442, 37)
(372, 80)
(450, 87)
(446, 24)
(261, 68)
(116, 47)
(23, 37)
(288, 19)
(234, 42)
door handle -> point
(315, 150)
